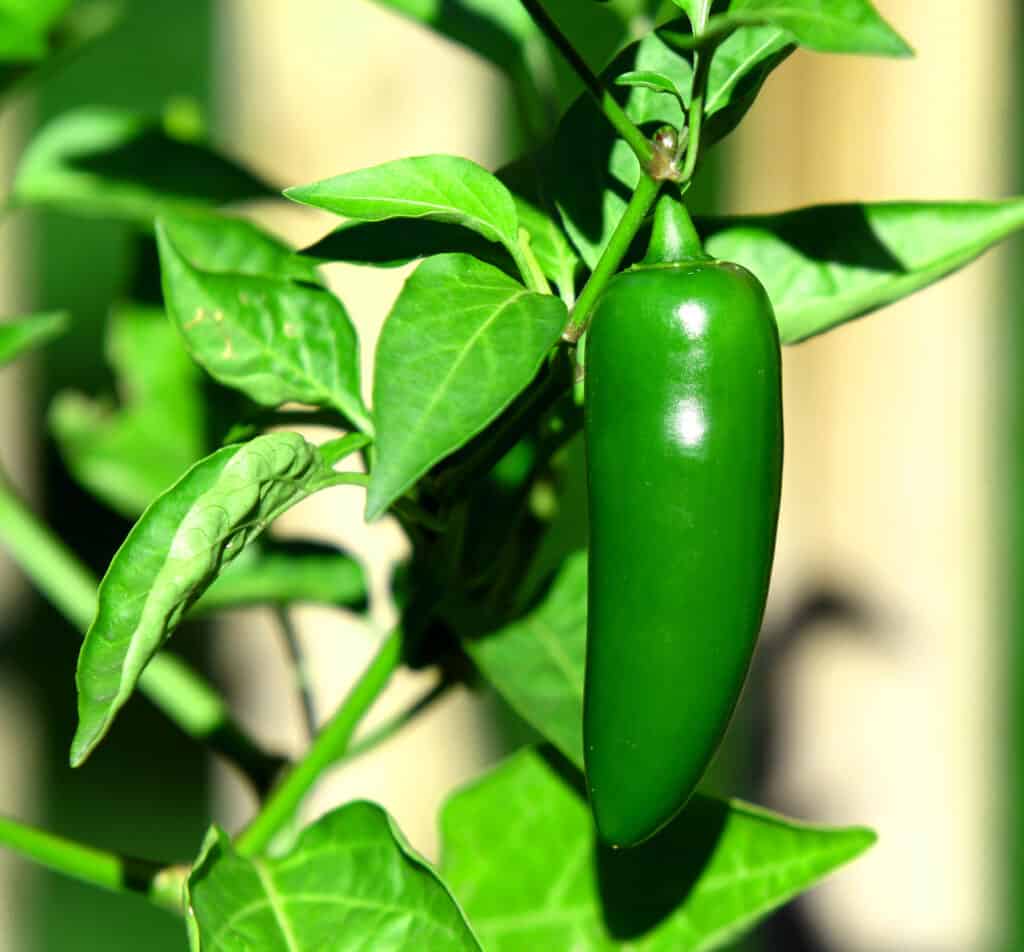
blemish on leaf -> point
(229, 351)
(197, 317)
(218, 316)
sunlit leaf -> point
(275, 340)
(462, 340)
(518, 852)
(350, 883)
(825, 265)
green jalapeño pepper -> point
(683, 426)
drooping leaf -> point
(519, 855)
(227, 245)
(649, 79)
(537, 662)
(21, 334)
(116, 163)
(173, 554)
(275, 340)
(350, 883)
(829, 26)
(460, 343)
(128, 456)
(828, 264)
(444, 188)
(285, 573)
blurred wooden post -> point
(889, 483)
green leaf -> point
(460, 343)
(739, 68)
(115, 163)
(226, 245)
(275, 340)
(173, 554)
(537, 662)
(284, 573)
(519, 855)
(442, 188)
(350, 883)
(495, 29)
(51, 36)
(829, 26)
(21, 334)
(649, 79)
(36, 15)
(20, 41)
(825, 265)
(128, 456)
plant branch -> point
(161, 885)
(176, 689)
(300, 670)
(391, 727)
(614, 113)
(625, 231)
(702, 65)
(330, 745)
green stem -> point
(695, 117)
(636, 211)
(300, 670)
(161, 885)
(330, 745)
(389, 728)
(614, 113)
(529, 267)
(169, 683)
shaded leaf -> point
(275, 340)
(35, 15)
(442, 188)
(284, 573)
(460, 343)
(537, 662)
(172, 555)
(396, 242)
(21, 334)
(830, 26)
(129, 455)
(739, 68)
(519, 855)
(225, 245)
(350, 882)
(828, 264)
(495, 29)
(116, 163)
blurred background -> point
(888, 686)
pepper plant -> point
(477, 400)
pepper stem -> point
(673, 235)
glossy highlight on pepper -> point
(683, 428)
